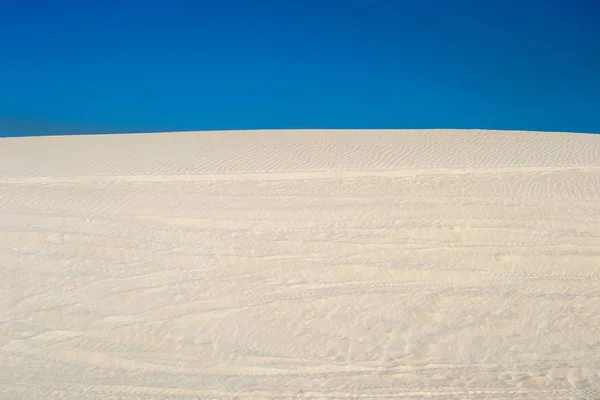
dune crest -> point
(300, 264)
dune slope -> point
(300, 264)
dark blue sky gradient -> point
(75, 66)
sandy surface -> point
(300, 264)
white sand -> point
(300, 264)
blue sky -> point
(74, 66)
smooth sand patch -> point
(300, 264)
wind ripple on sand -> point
(290, 151)
(300, 264)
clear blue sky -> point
(75, 66)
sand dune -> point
(300, 264)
